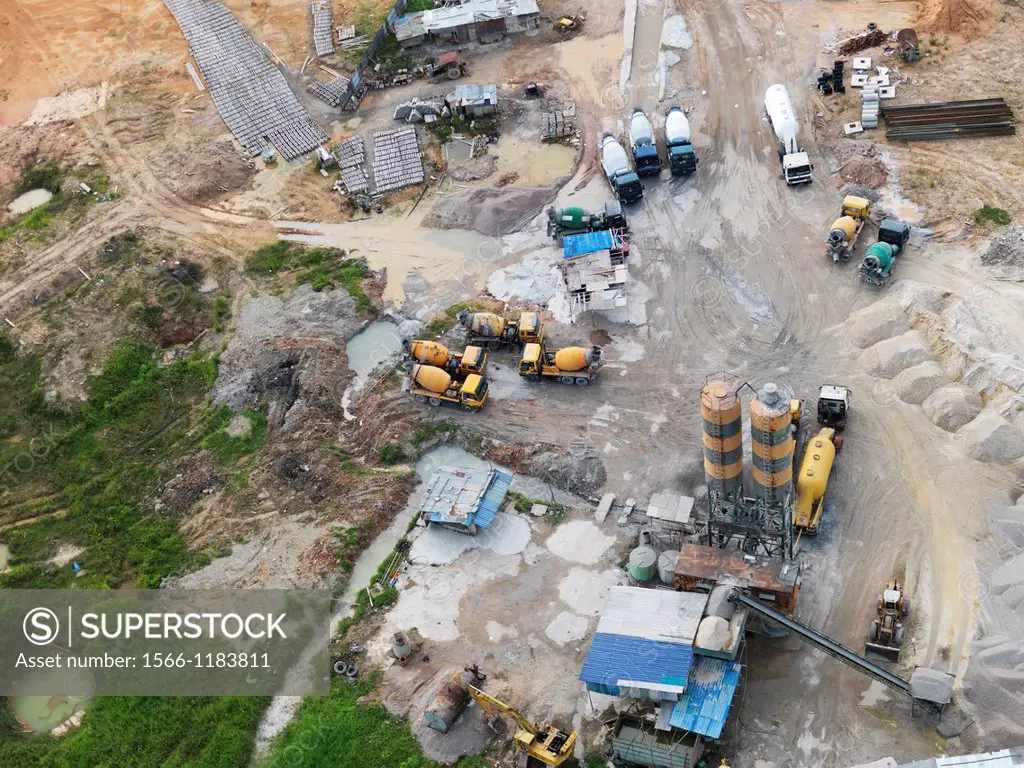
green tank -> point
(567, 221)
(876, 267)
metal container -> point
(449, 702)
(643, 563)
(722, 415)
(772, 445)
(667, 567)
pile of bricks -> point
(396, 159)
(323, 41)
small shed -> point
(463, 499)
(704, 707)
(474, 100)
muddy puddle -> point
(44, 713)
(29, 201)
(372, 346)
(537, 164)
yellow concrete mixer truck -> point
(485, 329)
(571, 365)
(433, 385)
(843, 234)
(471, 360)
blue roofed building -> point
(704, 707)
(464, 499)
(643, 648)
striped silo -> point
(771, 444)
(722, 414)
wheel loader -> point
(885, 635)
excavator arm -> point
(492, 706)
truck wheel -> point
(582, 382)
(533, 377)
(897, 639)
(468, 407)
(566, 379)
(873, 631)
(434, 402)
(421, 398)
(906, 606)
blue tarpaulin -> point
(588, 242)
(705, 706)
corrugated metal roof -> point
(407, 27)
(616, 658)
(588, 242)
(466, 497)
(475, 93)
(661, 615)
(493, 498)
(709, 693)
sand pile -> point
(492, 212)
(962, 17)
(877, 322)
(865, 171)
(952, 406)
(203, 172)
(990, 437)
(887, 358)
(919, 381)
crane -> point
(548, 745)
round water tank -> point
(643, 563)
(667, 567)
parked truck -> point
(876, 266)
(485, 329)
(433, 385)
(571, 365)
(576, 221)
(641, 141)
(682, 158)
(615, 163)
(471, 360)
(796, 165)
(843, 234)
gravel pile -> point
(890, 356)
(1006, 250)
(990, 437)
(492, 212)
(952, 406)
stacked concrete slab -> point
(396, 159)
(323, 41)
(351, 155)
(329, 93)
(250, 93)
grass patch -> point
(596, 760)
(391, 454)
(99, 463)
(433, 429)
(221, 312)
(47, 176)
(522, 504)
(196, 732)
(320, 267)
(444, 321)
(227, 449)
(993, 215)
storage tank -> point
(450, 700)
(722, 415)
(771, 444)
(573, 358)
(640, 131)
(667, 567)
(429, 352)
(401, 647)
(643, 561)
(484, 324)
(432, 378)
(780, 111)
(573, 217)
(814, 471)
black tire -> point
(906, 607)
(873, 631)
(897, 638)
(340, 668)
(566, 379)
(434, 401)
(533, 377)
(581, 381)
(420, 398)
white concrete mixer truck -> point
(796, 165)
(682, 158)
(615, 163)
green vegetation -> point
(432, 429)
(34, 220)
(391, 454)
(418, 5)
(229, 449)
(337, 731)
(320, 267)
(596, 760)
(48, 176)
(221, 312)
(522, 504)
(989, 213)
(98, 463)
(201, 732)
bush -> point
(48, 176)
(391, 454)
(989, 213)
(270, 258)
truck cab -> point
(628, 187)
(473, 360)
(796, 168)
(682, 159)
(833, 406)
(473, 393)
(530, 329)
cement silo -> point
(772, 444)
(722, 414)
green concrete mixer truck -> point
(876, 266)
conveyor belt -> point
(823, 643)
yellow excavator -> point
(546, 746)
